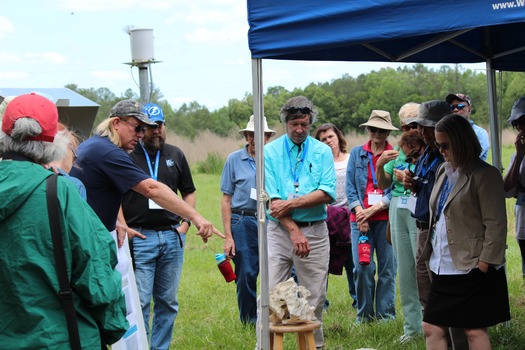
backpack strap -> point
(65, 293)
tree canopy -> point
(346, 101)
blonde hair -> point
(106, 129)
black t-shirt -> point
(173, 171)
(108, 172)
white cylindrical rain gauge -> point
(141, 45)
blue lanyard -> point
(426, 169)
(445, 191)
(153, 175)
(252, 163)
(296, 173)
(372, 170)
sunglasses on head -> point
(458, 106)
(441, 146)
(295, 110)
(377, 130)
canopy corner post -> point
(495, 141)
(263, 326)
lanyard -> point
(426, 169)
(447, 187)
(252, 163)
(296, 173)
(372, 170)
(153, 174)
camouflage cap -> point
(458, 96)
(131, 108)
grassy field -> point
(208, 316)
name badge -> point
(521, 199)
(374, 198)
(402, 202)
(411, 204)
(153, 205)
(253, 194)
(294, 195)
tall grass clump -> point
(213, 164)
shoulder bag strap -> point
(65, 293)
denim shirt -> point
(356, 179)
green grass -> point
(208, 316)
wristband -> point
(187, 221)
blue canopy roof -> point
(445, 31)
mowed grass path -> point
(208, 316)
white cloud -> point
(107, 6)
(221, 37)
(6, 27)
(45, 57)
(11, 76)
(8, 58)
(110, 75)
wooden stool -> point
(305, 334)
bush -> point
(212, 165)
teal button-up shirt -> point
(311, 167)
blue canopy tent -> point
(448, 31)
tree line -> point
(346, 101)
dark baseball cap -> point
(518, 110)
(131, 108)
(430, 112)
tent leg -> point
(263, 326)
(495, 142)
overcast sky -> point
(202, 46)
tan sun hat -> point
(251, 126)
(380, 119)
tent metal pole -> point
(263, 326)
(495, 142)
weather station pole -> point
(142, 56)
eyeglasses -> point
(295, 110)
(441, 146)
(377, 130)
(138, 128)
(408, 127)
(413, 156)
(251, 135)
(458, 106)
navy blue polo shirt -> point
(108, 172)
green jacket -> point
(31, 313)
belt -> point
(244, 212)
(422, 225)
(307, 223)
(163, 228)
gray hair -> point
(40, 152)
(289, 111)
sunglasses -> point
(295, 110)
(377, 130)
(408, 127)
(458, 106)
(441, 146)
(251, 135)
(138, 128)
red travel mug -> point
(363, 250)
(225, 267)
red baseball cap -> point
(36, 107)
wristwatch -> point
(187, 221)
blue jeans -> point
(158, 265)
(244, 231)
(365, 285)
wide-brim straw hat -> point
(251, 126)
(380, 119)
